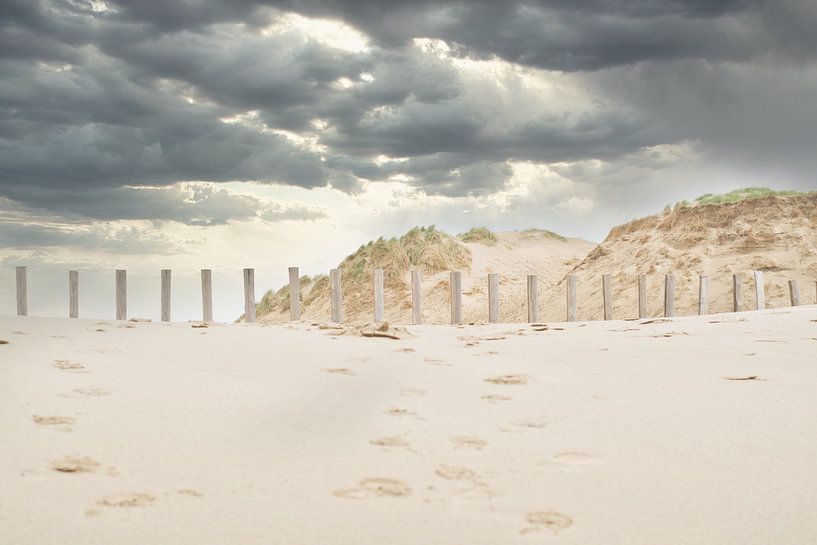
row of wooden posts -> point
(336, 299)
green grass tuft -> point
(546, 233)
(743, 194)
(479, 234)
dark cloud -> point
(95, 100)
(553, 34)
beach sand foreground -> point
(615, 432)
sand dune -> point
(687, 431)
(776, 235)
(513, 255)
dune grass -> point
(479, 234)
(545, 233)
(737, 195)
(424, 248)
(742, 195)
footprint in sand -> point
(522, 425)
(53, 420)
(72, 464)
(338, 371)
(127, 500)
(406, 350)
(547, 520)
(469, 442)
(456, 473)
(390, 442)
(508, 379)
(493, 398)
(441, 363)
(376, 487)
(398, 411)
(474, 488)
(573, 457)
(412, 392)
(190, 492)
(66, 365)
(91, 391)
(487, 353)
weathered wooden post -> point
(336, 299)
(73, 294)
(794, 292)
(669, 296)
(416, 297)
(456, 297)
(165, 295)
(607, 294)
(642, 296)
(493, 298)
(379, 306)
(533, 299)
(121, 294)
(207, 295)
(571, 297)
(737, 293)
(294, 294)
(22, 291)
(249, 295)
(703, 295)
(760, 294)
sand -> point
(585, 433)
(775, 235)
(513, 257)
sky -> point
(151, 134)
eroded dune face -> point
(512, 255)
(775, 235)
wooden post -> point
(416, 297)
(249, 295)
(737, 293)
(456, 297)
(493, 298)
(165, 295)
(642, 296)
(533, 299)
(207, 295)
(703, 295)
(669, 296)
(794, 292)
(607, 294)
(379, 306)
(571, 297)
(294, 294)
(336, 296)
(121, 294)
(73, 294)
(760, 294)
(22, 291)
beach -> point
(688, 430)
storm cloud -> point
(106, 107)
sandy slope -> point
(602, 432)
(776, 235)
(513, 256)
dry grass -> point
(424, 248)
(479, 234)
(545, 233)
